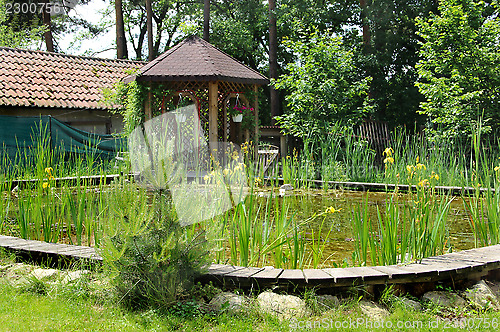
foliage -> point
(323, 87)
(131, 97)
(17, 31)
(25, 28)
(459, 73)
(172, 22)
(153, 260)
(404, 232)
(483, 207)
(390, 55)
(239, 28)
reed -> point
(318, 241)
(407, 229)
(483, 207)
(5, 202)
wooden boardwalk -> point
(70, 180)
(49, 253)
(357, 186)
(454, 266)
(388, 187)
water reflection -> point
(305, 203)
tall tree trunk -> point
(49, 41)
(364, 22)
(273, 58)
(121, 40)
(149, 24)
(206, 21)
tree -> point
(17, 31)
(149, 29)
(323, 85)
(47, 21)
(389, 54)
(240, 28)
(206, 20)
(459, 73)
(121, 40)
(26, 27)
(273, 57)
(170, 20)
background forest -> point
(419, 63)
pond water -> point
(306, 203)
(303, 204)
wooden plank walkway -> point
(455, 266)
(93, 180)
(357, 186)
(367, 186)
(53, 253)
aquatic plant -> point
(407, 228)
(484, 206)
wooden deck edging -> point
(454, 266)
(74, 180)
(53, 254)
(368, 186)
(357, 186)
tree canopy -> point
(406, 62)
(459, 70)
(324, 86)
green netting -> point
(19, 136)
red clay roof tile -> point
(43, 79)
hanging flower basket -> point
(237, 117)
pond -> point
(305, 203)
(306, 208)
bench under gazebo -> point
(214, 81)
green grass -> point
(58, 312)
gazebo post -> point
(213, 112)
(148, 112)
(256, 119)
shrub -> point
(153, 260)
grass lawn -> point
(60, 311)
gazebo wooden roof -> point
(194, 59)
(209, 75)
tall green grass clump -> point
(263, 231)
(5, 201)
(408, 228)
(483, 207)
(444, 157)
(259, 234)
(152, 260)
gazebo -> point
(213, 80)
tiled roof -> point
(197, 60)
(44, 79)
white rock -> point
(286, 187)
(231, 302)
(4, 268)
(480, 295)
(44, 273)
(373, 310)
(282, 306)
(18, 270)
(409, 304)
(444, 299)
(74, 275)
